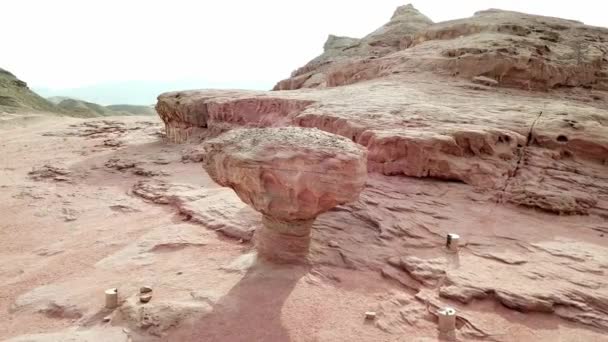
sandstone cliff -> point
(514, 49)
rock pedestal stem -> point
(283, 241)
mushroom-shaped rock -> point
(290, 175)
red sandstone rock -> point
(290, 175)
(416, 109)
(515, 49)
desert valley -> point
(320, 210)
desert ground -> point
(73, 227)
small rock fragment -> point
(485, 81)
(161, 161)
(370, 315)
(145, 298)
(145, 289)
(333, 244)
(120, 165)
(107, 318)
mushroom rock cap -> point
(287, 173)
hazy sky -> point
(73, 43)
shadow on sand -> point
(250, 311)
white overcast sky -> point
(73, 43)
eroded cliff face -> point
(198, 114)
(343, 53)
(515, 49)
(491, 138)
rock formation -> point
(500, 138)
(290, 175)
(515, 49)
(514, 105)
(341, 52)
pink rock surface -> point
(53, 271)
(290, 175)
(287, 173)
(514, 49)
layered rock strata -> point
(514, 49)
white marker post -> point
(111, 298)
(447, 320)
(452, 242)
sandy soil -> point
(71, 227)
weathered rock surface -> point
(287, 173)
(217, 209)
(187, 114)
(428, 272)
(157, 317)
(560, 276)
(486, 141)
(49, 172)
(340, 54)
(514, 49)
(290, 175)
(547, 150)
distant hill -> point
(84, 108)
(77, 105)
(89, 109)
(15, 96)
(133, 109)
(139, 92)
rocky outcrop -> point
(519, 50)
(486, 141)
(15, 96)
(512, 49)
(290, 175)
(550, 290)
(531, 281)
(344, 53)
(398, 32)
(403, 102)
(192, 114)
(408, 130)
